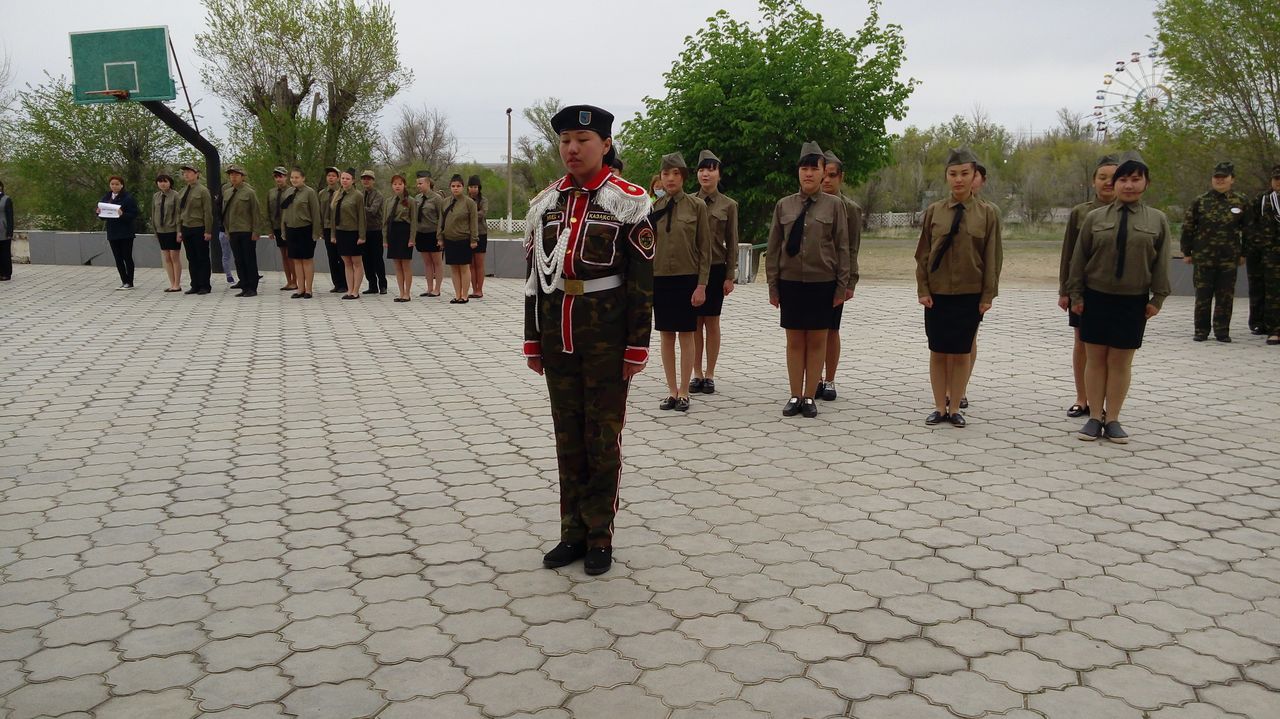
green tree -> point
(537, 157)
(62, 153)
(753, 94)
(1223, 58)
(335, 62)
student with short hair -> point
(120, 232)
(164, 219)
(1119, 279)
(346, 216)
(460, 233)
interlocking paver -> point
(218, 540)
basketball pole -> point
(212, 164)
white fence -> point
(504, 225)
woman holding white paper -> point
(120, 232)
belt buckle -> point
(574, 287)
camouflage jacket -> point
(605, 232)
(1266, 234)
(1216, 226)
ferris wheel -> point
(1139, 79)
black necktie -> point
(709, 199)
(447, 210)
(664, 212)
(951, 236)
(1122, 237)
(182, 205)
(284, 204)
(337, 206)
(421, 204)
(163, 215)
(279, 206)
(796, 236)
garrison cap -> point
(193, 168)
(278, 170)
(369, 174)
(1129, 160)
(832, 159)
(674, 160)
(1275, 172)
(424, 173)
(1107, 160)
(238, 169)
(962, 156)
(1224, 169)
(584, 117)
(707, 157)
(811, 148)
(332, 169)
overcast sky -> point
(1019, 59)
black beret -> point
(584, 117)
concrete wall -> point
(505, 257)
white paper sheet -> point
(107, 210)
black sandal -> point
(1077, 410)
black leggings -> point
(122, 250)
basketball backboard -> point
(129, 64)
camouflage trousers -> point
(1215, 281)
(588, 406)
(1270, 320)
(1254, 268)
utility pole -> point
(509, 177)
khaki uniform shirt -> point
(325, 195)
(374, 205)
(482, 215)
(824, 251)
(461, 222)
(853, 212)
(240, 209)
(972, 263)
(303, 210)
(396, 211)
(428, 212)
(164, 211)
(346, 211)
(1146, 256)
(1074, 221)
(683, 237)
(722, 213)
(274, 213)
(196, 210)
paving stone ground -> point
(264, 508)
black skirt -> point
(427, 242)
(1073, 319)
(483, 245)
(807, 305)
(715, 293)
(398, 247)
(1117, 321)
(457, 252)
(672, 309)
(952, 323)
(168, 241)
(300, 242)
(348, 243)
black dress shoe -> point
(1223, 338)
(821, 390)
(708, 386)
(339, 289)
(249, 293)
(382, 292)
(827, 391)
(564, 554)
(192, 291)
(957, 420)
(598, 560)
(1077, 410)
(306, 295)
(937, 418)
(791, 408)
(1197, 337)
(809, 408)
(1257, 331)
(682, 404)
(426, 294)
(204, 291)
(350, 297)
(668, 403)
(236, 286)
(695, 385)
(295, 295)
(964, 403)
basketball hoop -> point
(119, 95)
